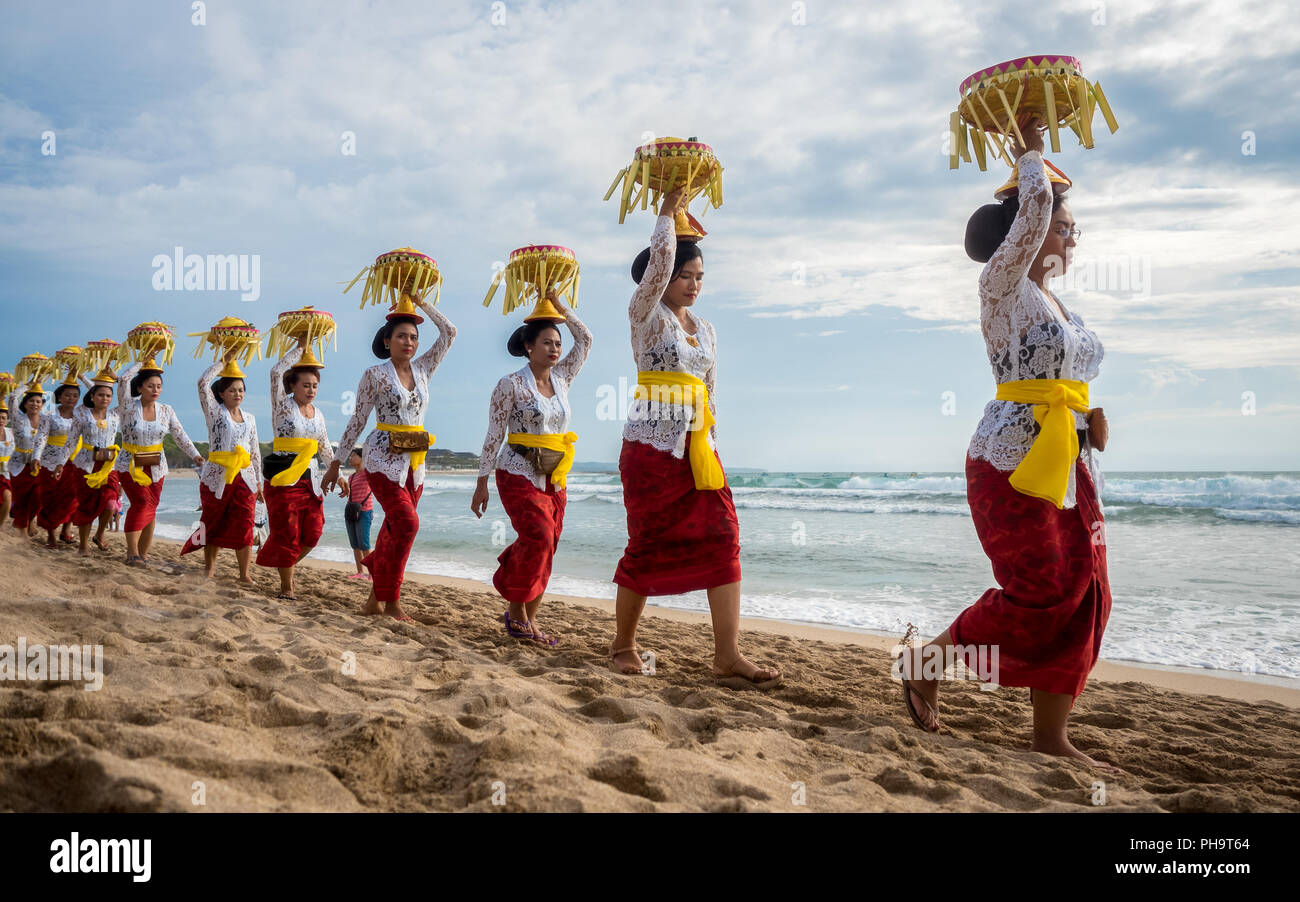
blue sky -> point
(844, 305)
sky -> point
(846, 310)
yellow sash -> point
(233, 461)
(552, 441)
(3, 461)
(667, 388)
(140, 476)
(305, 448)
(61, 441)
(97, 479)
(417, 457)
(1045, 470)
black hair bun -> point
(987, 228)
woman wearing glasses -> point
(1031, 475)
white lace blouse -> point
(7, 445)
(136, 430)
(53, 425)
(660, 343)
(23, 436)
(517, 406)
(224, 434)
(288, 420)
(380, 390)
(1025, 334)
(93, 434)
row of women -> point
(1030, 466)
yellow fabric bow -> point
(551, 441)
(139, 475)
(1045, 470)
(305, 448)
(667, 388)
(233, 461)
(97, 478)
(417, 457)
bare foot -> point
(1063, 748)
(627, 661)
(746, 670)
(395, 611)
(371, 607)
(247, 580)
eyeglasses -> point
(1066, 233)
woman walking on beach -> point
(141, 465)
(1030, 472)
(94, 431)
(529, 411)
(24, 470)
(59, 483)
(295, 503)
(230, 483)
(398, 392)
(682, 529)
(6, 454)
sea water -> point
(1204, 567)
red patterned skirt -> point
(538, 518)
(1048, 618)
(91, 503)
(387, 563)
(5, 485)
(26, 490)
(58, 497)
(143, 499)
(679, 538)
(296, 517)
(226, 522)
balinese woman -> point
(295, 504)
(1031, 478)
(6, 454)
(141, 465)
(398, 392)
(58, 482)
(24, 470)
(230, 483)
(530, 412)
(94, 432)
(682, 529)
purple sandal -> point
(522, 632)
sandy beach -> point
(256, 699)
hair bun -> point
(987, 228)
(639, 264)
(515, 344)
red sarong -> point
(26, 490)
(5, 485)
(144, 502)
(538, 518)
(226, 522)
(387, 563)
(296, 518)
(58, 497)
(679, 538)
(1048, 618)
(93, 502)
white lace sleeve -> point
(255, 450)
(325, 454)
(1010, 262)
(124, 388)
(427, 362)
(711, 379)
(42, 433)
(367, 391)
(498, 417)
(178, 432)
(208, 402)
(571, 365)
(663, 250)
(281, 367)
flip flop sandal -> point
(911, 709)
(543, 639)
(516, 633)
(287, 597)
(620, 669)
(99, 543)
